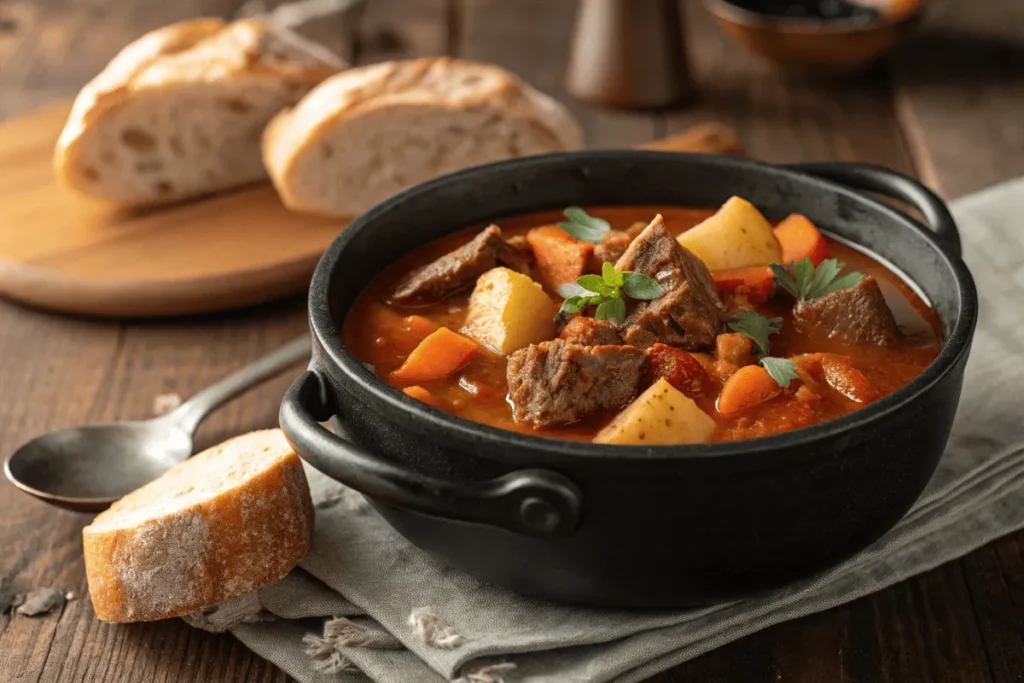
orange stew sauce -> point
(383, 335)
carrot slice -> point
(800, 239)
(757, 282)
(440, 354)
(746, 388)
(561, 258)
(420, 394)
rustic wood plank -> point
(61, 371)
(782, 119)
(63, 45)
(995, 575)
(531, 38)
(115, 375)
(960, 92)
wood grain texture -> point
(960, 623)
(531, 38)
(65, 252)
(959, 90)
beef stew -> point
(786, 329)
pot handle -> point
(891, 184)
(531, 502)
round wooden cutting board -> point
(65, 252)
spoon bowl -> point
(87, 468)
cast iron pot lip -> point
(544, 450)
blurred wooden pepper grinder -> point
(629, 53)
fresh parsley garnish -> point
(757, 327)
(782, 370)
(583, 226)
(606, 292)
(806, 282)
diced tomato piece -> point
(756, 282)
(679, 368)
(800, 239)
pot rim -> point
(551, 450)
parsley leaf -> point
(641, 287)
(606, 292)
(782, 370)
(590, 282)
(757, 327)
(611, 277)
(583, 226)
(806, 282)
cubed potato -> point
(662, 415)
(508, 311)
(737, 236)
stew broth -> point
(379, 333)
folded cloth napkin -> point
(367, 605)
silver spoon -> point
(88, 468)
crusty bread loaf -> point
(222, 523)
(180, 112)
(367, 133)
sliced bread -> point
(367, 133)
(222, 523)
(180, 112)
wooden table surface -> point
(949, 108)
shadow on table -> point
(948, 57)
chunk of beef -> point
(858, 315)
(689, 314)
(459, 269)
(516, 253)
(450, 273)
(590, 332)
(614, 244)
(557, 382)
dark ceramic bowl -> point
(631, 525)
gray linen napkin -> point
(395, 615)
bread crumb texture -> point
(179, 112)
(225, 522)
(367, 133)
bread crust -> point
(187, 55)
(439, 82)
(249, 529)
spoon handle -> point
(190, 413)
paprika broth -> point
(705, 351)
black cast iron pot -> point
(633, 526)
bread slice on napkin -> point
(223, 523)
(367, 133)
(180, 112)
